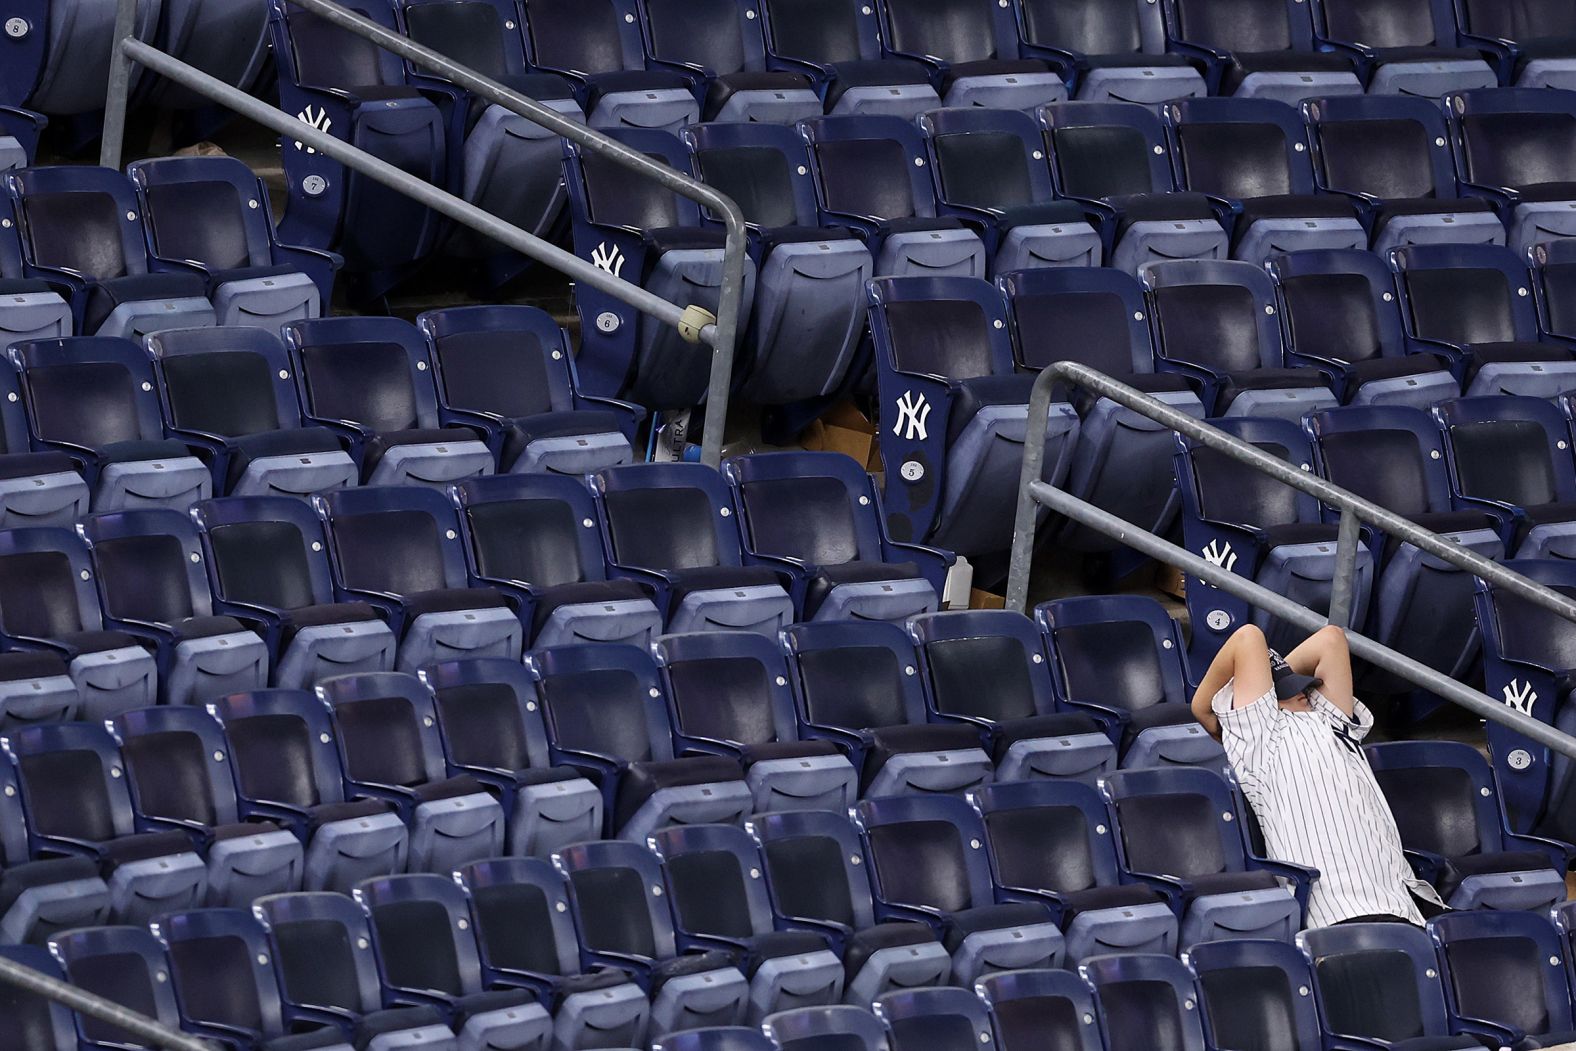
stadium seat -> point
(225, 984)
(177, 768)
(1115, 160)
(1121, 460)
(31, 1021)
(527, 938)
(715, 1038)
(1029, 1008)
(536, 539)
(1255, 992)
(1262, 51)
(391, 747)
(398, 550)
(121, 964)
(230, 393)
(973, 50)
(597, 45)
(636, 229)
(728, 695)
(1145, 1000)
(1503, 979)
(1391, 156)
(615, 890)
(857, 684)
(1379, 983)
(1049, 842)
(492, 731)
(1215, 323)
(953, 442)
(228, 41)
(713, 878)
(809, 311)
(1553, 284)
(606, 716)
(507, 370)
(1120, 657)
(718, 44)
(871, 178)
(836, 42)
(671, 527)
(989, 170)
(1564, 917)
(1182, 832)
(322, 949)
(38, 899)
(1251, 157)
(34, 308)
(928, 863)
(935, 1020)
(813, 1028)
(1511, 457)
(76, 803)
(48, 602)
(816, 517)
(42, 488)
(1247, 523)
(987, 669)
(153, 587)
(370, 381)
(1515, 148)
(1402, 47)
(1447, 810)
(287, 769)
(92, 398)
(268, 565)
(19, 134)
(210, 216)
(818, 880)
(427, 954)
(36, 687)
(1113, 51)
(1529, 40)
(81, 230)
(1340, 315)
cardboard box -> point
(844, 429)
(1171, 580)
(986, 600)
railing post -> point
(1027, 515)
(1343, 588)
(116, 99)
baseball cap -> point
(1289, 684)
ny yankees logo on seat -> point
(1221, 555)
(609, 259)
(313, 117)
(1520, 696)
(912, 412)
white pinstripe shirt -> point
(1319, 805)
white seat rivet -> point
(317, 545)
(587, 523)
(262, 959)
(908, 669)
(1099, 830)
(726, 512)
(284, 374)
(782, 680)
(1038, 659)
(131, 216)
(218, 756)
(919, 162)
(450, 534)
(86, 575)
(361, 943)
(146, 385)
(195, 557)
(656, 892)
(464, 925)
(654, 692)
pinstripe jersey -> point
(1317, 800)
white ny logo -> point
(313, 118)
(1217, 555)
(1520, 697)
(609, 259)
(912, 413)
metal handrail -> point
(1354, 510)
(722, 334)
(154, 1034)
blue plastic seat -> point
(560, 577)
(1553, 277)
(671, 527)
(1529, 42)
(1340, 314)
(210, 216)
(989, 170)
(974, 51)
(728, 695)
(718, 44)
(398, 549)
(492, 731)
(178, 770)
(38, 899)
(1264, 51)
(816, 516)
(1144, 1000)
(1030, 1007)
(124, 965)
(812, 1028)
(606, 715)
(816, 874)
(508, 371)
(809, 311)
(715, 1038)
(34, 308)
(928, 862)
(1114, 159)
(837, 43)
(1402, 47)
(1392, 157)
(75, 804)
(391, 748)
(92, 398)
(1182, 832)
(712, 875)
(626, 922)
(19, 132)
(1513, 147)
(954, 413)
(81, 230)
(230, 392)
(370, 381)
(1215, 323)
(1120, 657)
(1255, 992)
(987, 668)
(42, 488)
(937, 1019)
(1049, 842)
(1502, 977)
(1112, 51)
(32, 1022)
(287, 769)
